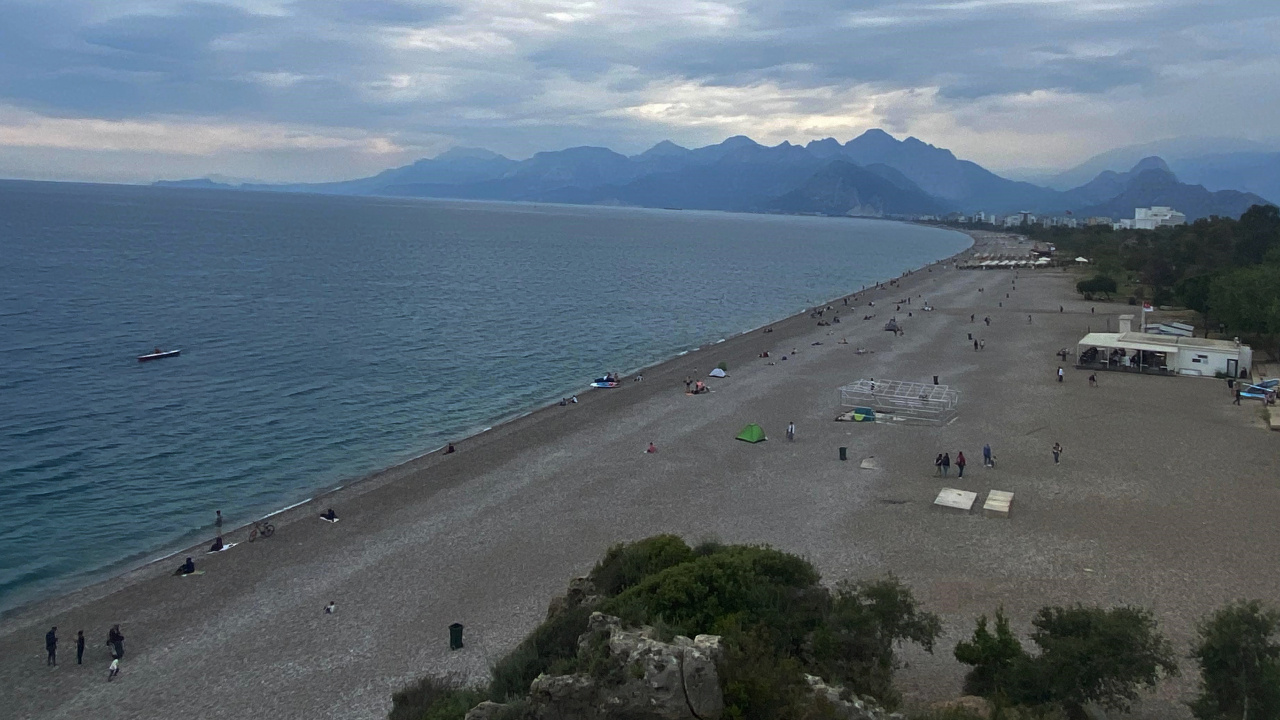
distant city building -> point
(1152, 218)
(1100, 221)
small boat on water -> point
(158, 354)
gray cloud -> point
(392, 79)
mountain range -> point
(873, 175)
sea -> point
(324, 338)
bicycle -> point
(261, 528)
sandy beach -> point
(1165, 497)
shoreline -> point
(137, 568)
(1163, 500)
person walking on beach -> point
(960, 463)
(982, 344)
(217, 520)
(115, 639)
(937, 464)
(975, 346)
(80, 648)
(1059, 373)
(1028, 319)
(1237, 400)
(51, 646)
(791, 432)
(986, 456)
(1093, 380)
(946, 464)
(113, 669)
(688, 381)
(1057, 450)
(970, 318)
(987, 320)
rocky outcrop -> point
(581, 592)
(485, 711)
(845, 704)
(972, 704)
(635, 675)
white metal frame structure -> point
(902, 400)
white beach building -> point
(1129, 351)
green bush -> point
(627, 564)
(554, 641)
(855, 646)
(1093, 655)
(740, 584)
(775, 620)
(758, 683)
(995, 659)
(1239, 660)
(1098, 284)
(434, 698)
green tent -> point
(752, 433)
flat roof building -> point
(1130, 351)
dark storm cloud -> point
(522, 76)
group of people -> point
(943, 463)
(115, 639)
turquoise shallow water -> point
(324, 338)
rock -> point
(636, 676)
(845, 704)
(978, 707)
(485, 711)
(581, 592)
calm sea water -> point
(324, 338)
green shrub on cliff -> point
(775, 619)
(626, 564)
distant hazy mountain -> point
(872, 174)
(1172, 149)
(1159, 186)
(843, 188)
(1249, 172)
(966, 185)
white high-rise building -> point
(1158, 216)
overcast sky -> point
(128, 90)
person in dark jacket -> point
(115, 639)
(80, 648)
(946, 464)
(51, 645)
(960, 463)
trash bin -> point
(844, 453)
(455, 636)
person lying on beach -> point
(217, 544)
(329, 515)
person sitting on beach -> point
(764, 354)
(564, 401)
(329, 515)
(574, 399)
(652, 448)
(186, 568)
(450, 449)
(217, 545)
